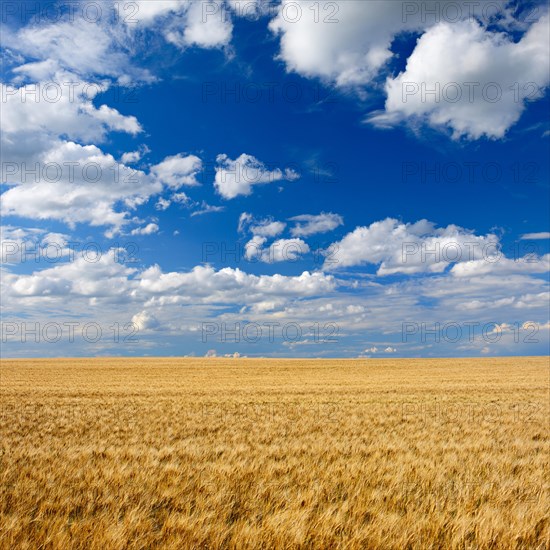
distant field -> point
(250, 454)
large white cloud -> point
(81, 184)
(233, 285)
(344, 42)
(87, 276)
(76, 183)
(420, 247)
(104, 275)
(502, 266)
(85, 47)
(348, 42)
(63, 106)
(52, 169)
(482, 80)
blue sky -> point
(330, 179)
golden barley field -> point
(260, 454)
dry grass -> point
(195, 453)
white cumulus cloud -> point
(178, 170)
(421, 247)
(307, 224)
(237, 177)
(474, 82)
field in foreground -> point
(236, 453)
